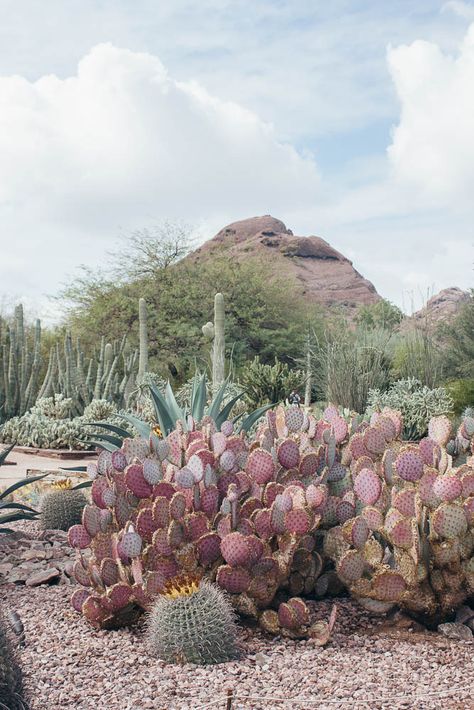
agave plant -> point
(168, 412)
(11, 511)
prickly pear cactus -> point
(407, 533)
(192, 621)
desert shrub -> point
(418, 355)
(462, 394)
(383, 314)
(416, 402)
(348, 365)
(270, 383)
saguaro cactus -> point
(143, 359)
(216, 332)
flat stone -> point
(33, 555)
(464, 614)
(6, 567)
(456, 631)
(46, 576)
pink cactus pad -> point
(227, 428)
(235, 550)
(272, 490)
(368, 486)
(131, 544)
(161, 512)
(175, 534)
(358, 464)
(302, 611)
(373, 517)
(152, 472)
(164, 489)
(440, 430)
(146, 524)
(256, 548)
(196, 525)
(109, 572)
(409, 465)
(234, 580)
(447, 488)
(78, 598)
(119, 460)
(91, 519)
(219, 443)
(277, 517)
(294, 418)
(79, 537)
(388, 586)
(467, 484)
(102, 546)
(226, 480)
(136, 482)
(405, 501)
(262, 522)
(449, 521)
(260, 466)
(330, 413)
(359, 532)
(208, 548)
(184, 478)
(402, 534)
(357, 447)
(120, 595)
(177, 506)
(468, 507)
(161, 543)
(99, 485)
(196, 466)
(227, 461)
(351, 566)
(309, 464)
(374, 440)
(387, 427)
(167, 567)
(287, 616)
(344, 511)
(92, 471)
(337, 472)
(93, 611)
(81, 575)
(340, 429)
(298, 521)
(429, 450)
(289, 454)
(210, 501)
(104, 463)
(316, 496)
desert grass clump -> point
(192, 622)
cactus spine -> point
(143, 359)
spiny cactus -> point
(62, 507)
(216, 332)
(192, 621)
(11, 684)
(143, 336)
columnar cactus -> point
(216, 332)
(143, 333)
(192, 621)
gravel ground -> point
(69, 665)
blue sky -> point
(350, 120)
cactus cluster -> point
(192, 621)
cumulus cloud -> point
(433, 144)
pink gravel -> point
(367, 664)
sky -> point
(351, 120)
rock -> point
(46, 576)
(5, 568)
(456, 631)
(442, 307)
(33, 554)
(322, 274)
(464, 614)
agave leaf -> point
(20, 484)
(84, 484)
(198, 400)
(213, 410)
(16, 506)
(161, 410)
(5, 452)
(175, 411)
(73, 468)
(225, 412)
(254, 417)
(194, 389)
(142, 427)
(106, 437)
(103, 445)
(13, 517)
(111, 427)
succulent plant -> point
(11, 684)
(416, 403)
(11, 510)
(191, 621)
(270, 383)
(216, 332)
(62, 507)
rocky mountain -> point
(323, 274)
(442, 307)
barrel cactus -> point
(11, 685)
(62, 507)
(192, 621)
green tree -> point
(458, 339)
(383, 314)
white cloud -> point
(460, 8)
(433, 144)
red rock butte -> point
(325, 275)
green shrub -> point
(270, 383)
(462, 393)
